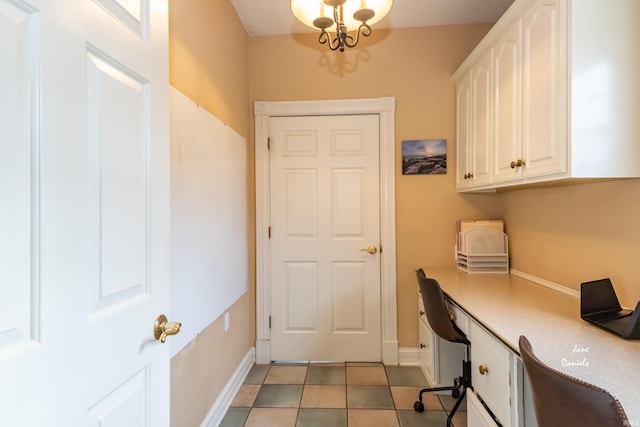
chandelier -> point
(344, 14)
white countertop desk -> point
(509, 306)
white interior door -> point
(325, 285)
(84, 212)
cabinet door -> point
(544, 84)
(477, 415)
(463, 131)
(427, 353)
(490, 370)
(480, 160)
(507, 105)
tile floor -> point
(337, 395)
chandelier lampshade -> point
(336, 18)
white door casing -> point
(384, 108)
(325, 285)
(84, 212)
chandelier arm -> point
(325, 38)
(363, 29)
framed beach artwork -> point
(424, 157)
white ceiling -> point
(269, 17)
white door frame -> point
(385, 108)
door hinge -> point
(269, 322)
(269, 143)
(380, 248)
(269, 231)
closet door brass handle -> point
(371, 249)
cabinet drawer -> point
(461, 318)
(490, 372)
(421, 311)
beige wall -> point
(208, 58)
(200, 371)
(414, 66)
(209, 63)
(576, 233)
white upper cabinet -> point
(544, 90)
(464, 153)
(564, 93)
(474, 97)
(507, 106)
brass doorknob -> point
(483, 369)
(371, 249)
(162, 328)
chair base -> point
(458, 390)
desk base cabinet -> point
(500, 393)
(501, 390)
(440, 360)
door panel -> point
(301, 298)
(125, 405)
(118, 181)
(325, 300)
(301, 205)
(18, 178)
(84, 210)
(348, 298)
(347, 202)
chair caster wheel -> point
(418, 406)
(455, 393)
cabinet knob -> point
(421, 313)
(516, 164)
(483, 369)
(422, 345)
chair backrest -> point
(562, 400)
(436, 309)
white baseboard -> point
(222, 403)
(409, 356)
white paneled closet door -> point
(325, 234)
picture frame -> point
(424, 157)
